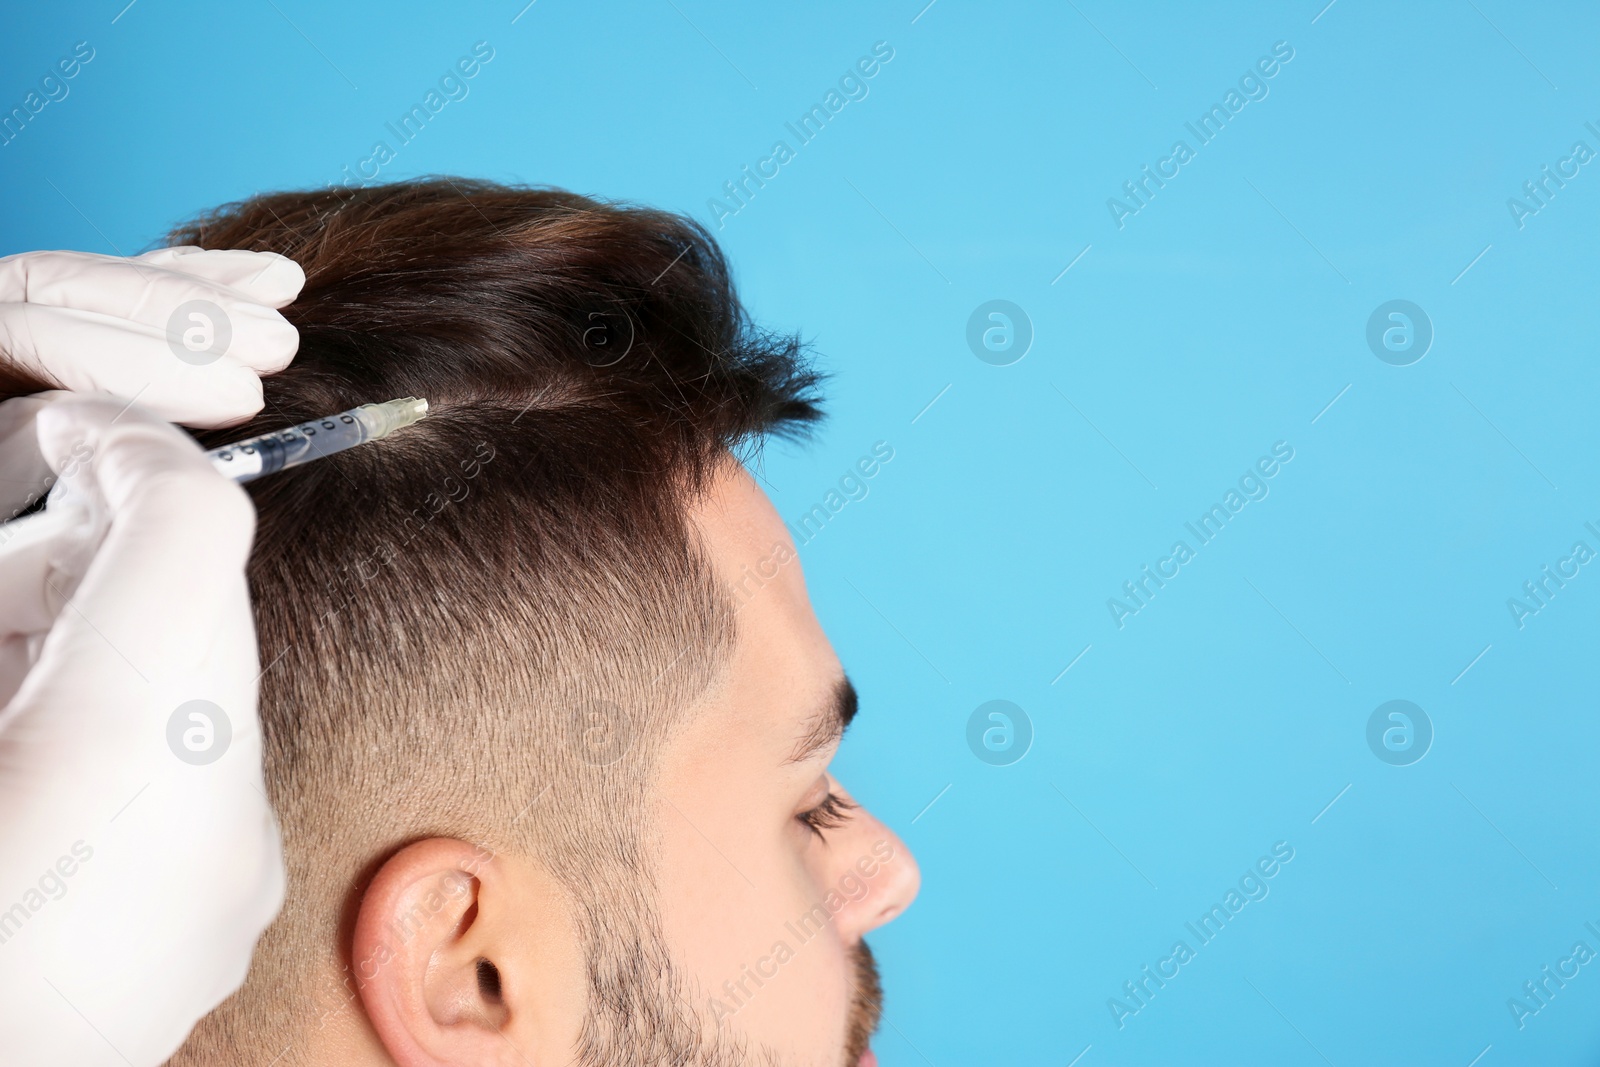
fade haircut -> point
(482, 626)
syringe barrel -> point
(268, 453)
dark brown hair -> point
(442, 613)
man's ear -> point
(464, 957)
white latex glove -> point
(135, 876)
(185, 331)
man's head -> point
(547, 713)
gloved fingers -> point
(162, 279)
(166, 253)
(152, 598)
(28, 545)
(109, 782)
(24, 474)
(263, 277)
(42, 556)
(199, 316)
(208, 375)
(90, 766)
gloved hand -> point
(185, 331)
(135, 876)
(139, 859)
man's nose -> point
(868, 854)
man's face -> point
(770, 876)
(741, 943)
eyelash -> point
(833, 812)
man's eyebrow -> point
(828, 725)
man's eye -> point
(833, 812)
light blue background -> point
(1224, 317)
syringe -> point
(247, 460)
(242, 461)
